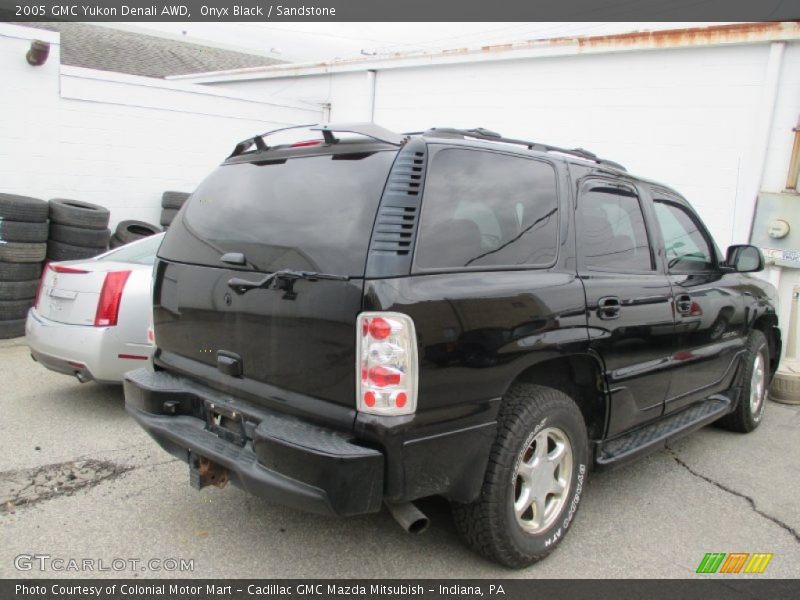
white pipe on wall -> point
(755, 154)
(372, 77)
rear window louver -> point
(392, 243)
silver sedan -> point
(93, 318)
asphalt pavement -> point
(79, 480)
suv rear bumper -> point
(271, 455)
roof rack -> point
(370, 130)
(479, 133)
(381, 134)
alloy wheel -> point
(758, 386)
(542, 479)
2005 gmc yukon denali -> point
(366, 318)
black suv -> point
(367, 318)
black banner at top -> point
(399, 10)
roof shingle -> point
(107, 49)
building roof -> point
(107, 49)
(685, 37)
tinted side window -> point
(485, 209)
(613, 236)
(686, 246)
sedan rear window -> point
(142, 252)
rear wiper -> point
(283, 279)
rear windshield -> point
(310, 213)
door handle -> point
(684, 304)
(608, 307)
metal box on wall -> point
(776, 228)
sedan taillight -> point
(387, 364)
(110, 298)
(70, 270)
(41, 284)
(55, 269)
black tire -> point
(744, 419)
(129, 231)
(22, 231)
(14, 309)
(115, 242)
(78, 214)
(23, 208)
(13, 328)
(18, 290)
(22, 252)
(80, 236)
(10, 271)
(61, 251)
(173, 199)
(167, 216)
(489, 524)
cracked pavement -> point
(713, 491)
(23, 487)
(733, 492)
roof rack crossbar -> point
(369, 130)
(479, 133)
(258, 140)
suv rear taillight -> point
(110, 298)
(387, 364)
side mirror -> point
(745, 259)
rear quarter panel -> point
(477, 331)
(136, 308)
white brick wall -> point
(112, 139)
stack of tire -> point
(130, 231)
(77, 230)
(171, 203)
(23, 245)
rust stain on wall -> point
(739, 33)
(669, 38)
(693, 36)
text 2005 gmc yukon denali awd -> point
(366, 318)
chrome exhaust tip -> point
(410, 518)
(81, 377)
